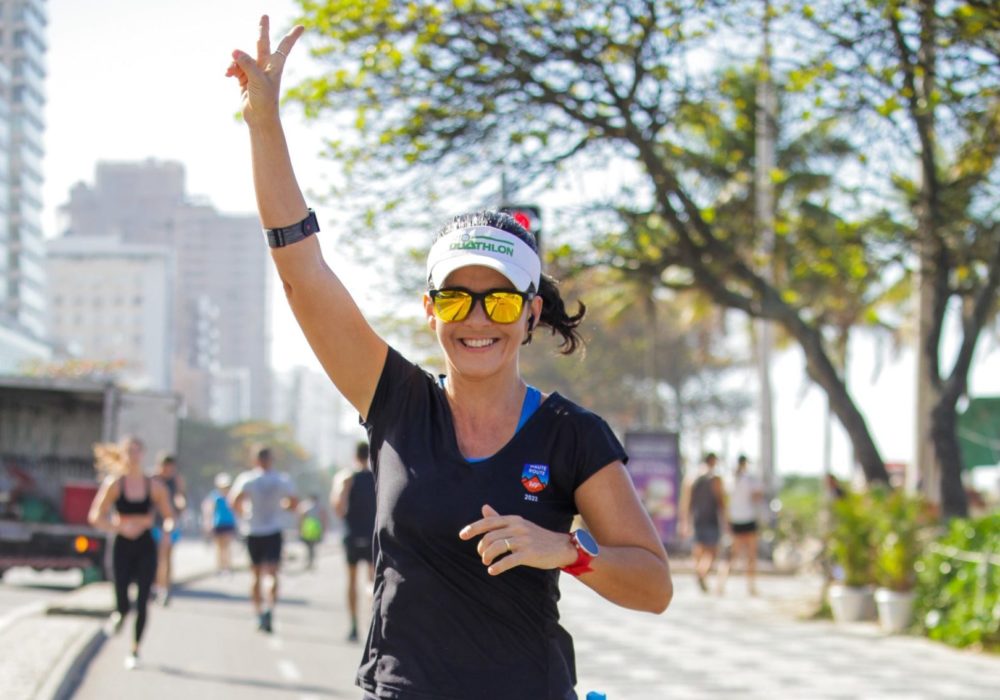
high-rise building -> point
(221, 288)
(112, 302)
(22, 249)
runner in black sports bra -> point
(133, 552)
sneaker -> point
(265, 622)
(166, 598)
(702, 584)
(131, 661)
(115, 622)
(353, 636)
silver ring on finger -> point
(281, 52)
(507, 542)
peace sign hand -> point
(260, 78)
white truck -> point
(48, 428)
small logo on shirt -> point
(535, 477)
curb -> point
(69, 670)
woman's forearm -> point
(279, 200)
(632, 577)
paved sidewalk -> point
(741, 647)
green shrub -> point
(958, 599)
(852, 537)
(901, 520)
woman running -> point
(478, 475)
(124, 505)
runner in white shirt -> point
(268, 494)
(745, 496)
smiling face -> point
(476, 346)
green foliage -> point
(901, 521)
(801, 499)
(958, 599)
(852, 537)
(206, 449)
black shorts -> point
(358, 549)
(743, 528)
(264, 549)
(707, 535)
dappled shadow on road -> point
(224, 679)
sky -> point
(132, 80)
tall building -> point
(22, 249)
(112, 302)
(221, 288)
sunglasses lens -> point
(504, 307)
(452, 305)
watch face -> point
(586, 542)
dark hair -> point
(711, 457)
(554, 314)
(361, 451)
(166, 458)
(262, 453)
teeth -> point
(478, 342)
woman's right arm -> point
(100, 507)
(351, 353)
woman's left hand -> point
(523, 543)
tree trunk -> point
(822, 371)
(944, 424)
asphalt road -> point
(205, 644)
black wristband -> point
(280, 237)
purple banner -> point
(654, 463)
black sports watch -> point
(280, 237)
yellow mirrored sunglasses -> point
(501, 305)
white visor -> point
(489, 247)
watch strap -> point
(280, 237)
(583, 559)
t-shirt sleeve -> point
(595, 447)
(399, 381)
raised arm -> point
(347, 347)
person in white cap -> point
(478, 475)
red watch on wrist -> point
(586, 551)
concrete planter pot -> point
(852, 603)
(895, 609)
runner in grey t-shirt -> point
(260, 496)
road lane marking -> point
(287, 669)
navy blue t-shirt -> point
(442, 627)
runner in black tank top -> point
(125, 505)
(353, 499)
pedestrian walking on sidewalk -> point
(702, 515)
(746, 496)
(125, 505)
(166, 473)
(220, 521)
(353, 500)
(478, 475)
(261, 495)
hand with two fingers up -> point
(260, 77)
(510, 540)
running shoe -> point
(131, 661)
(265, 622)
